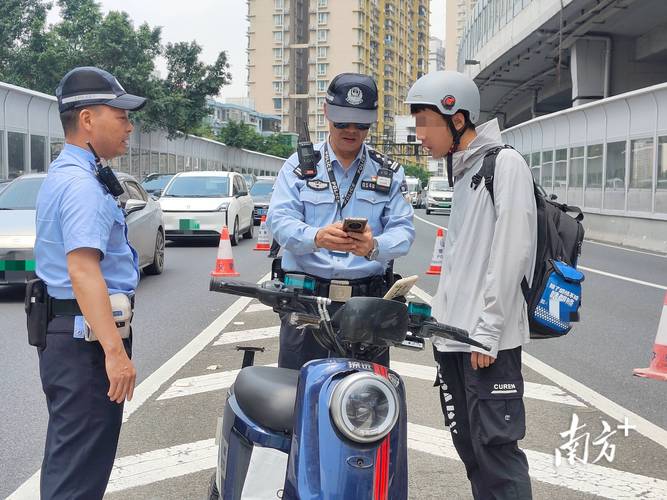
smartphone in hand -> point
(354, 224)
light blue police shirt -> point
(75, 211)
(300, 207)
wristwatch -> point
(373, 254)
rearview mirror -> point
(132, 206)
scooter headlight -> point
(364, 407)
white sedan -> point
(199, 204)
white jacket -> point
(488, 249)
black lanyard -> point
(334, 184)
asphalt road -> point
(619, 321)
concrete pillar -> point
(589, 67)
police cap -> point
(352, 98)
(85, 86)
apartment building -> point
(436, 55)
(457, 13)
(295, 47)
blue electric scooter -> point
(342, 422)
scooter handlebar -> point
(434, 329)
(272, 293)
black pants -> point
(297, 347)
(485, 414)
(83, 427)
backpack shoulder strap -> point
(488, 170)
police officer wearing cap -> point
(83, 257)
(307, 211)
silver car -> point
(17, 227)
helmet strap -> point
(456, 136)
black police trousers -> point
(297, 347)
(486, 417)
(83, 426)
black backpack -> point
(554, 298)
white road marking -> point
(156, 379)
(650, 430)
(623, 278)
(247, 335)
(614, 410)
(586, 478)
(201, 383)
(238, 323)
(542, 392)
(258, 307)
(145, 468)
(430, 223)
(588, 269)
(618, 247)
(30, 488)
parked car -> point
(154, 184)
(17, 227)
(414, 191)
(250, 180)
(199, 204)
(4, 183)
(261, 195)
(438, 195)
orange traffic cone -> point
(658, 368)
(438, 251)
(224, 263)
(263, 242)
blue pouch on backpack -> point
(559, 301)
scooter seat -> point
(267, 395)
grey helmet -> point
(449, 91)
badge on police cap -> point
(355, 96)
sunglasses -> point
(358, 126)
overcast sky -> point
(216, 25)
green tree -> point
(36, 56)
(412, 170)
(242, 135)
(19, 20)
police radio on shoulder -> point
(308, 157)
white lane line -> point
(430, 223)
(247, 335)
(201, 383)
(156, 379)
(30, 488)
(532, 390)
(649, 429)
(146, 468)
(614, 410)
(252, 308)
(618, 247)
(587, 478)
(624, 278)
(588, 269)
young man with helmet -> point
(490, 247)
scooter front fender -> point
(323, 464)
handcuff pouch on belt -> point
(37, 312)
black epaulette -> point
(384, 160)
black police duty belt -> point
(70, 307)
(332, 178)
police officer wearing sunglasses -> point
(307, 211)
(80, 320)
